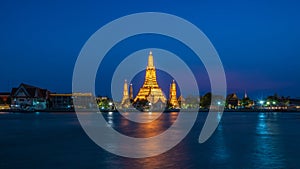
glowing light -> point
(110, 103)
(110, 113)
(173, 94)
(150, 90)
(261, 116)
(268, 103)
(261, 102)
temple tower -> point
(150, 86)
(245, 95)
(130, 92)
(125, 99)
(173, 98)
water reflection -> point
(267, 150)
(221, 153)
(110, 118)
(139, 117)
(262, 143)
(242, 140)
(144, 130)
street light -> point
(261, 102)
(150, 108)
(110, 105)
(219, 103)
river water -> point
(242, 140)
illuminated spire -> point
(125, 93)
(131, 92)
(150, 60)
(173, 98)
(150, 86)
(245, 96)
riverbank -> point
(171, 110)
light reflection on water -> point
(242, 140)
(221, 151)
(141, 130)
(267, 143)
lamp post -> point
(110, 105)
(150, 106)
(261, 102)
(219, 103)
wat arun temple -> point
(150, 92)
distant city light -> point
(261, 102)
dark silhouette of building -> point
(232, 101)
(27, 97)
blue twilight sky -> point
(258, 41)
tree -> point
(205, 100)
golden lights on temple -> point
(150, 91)
(173, 98)
(125, 94)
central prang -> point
(150, 94)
